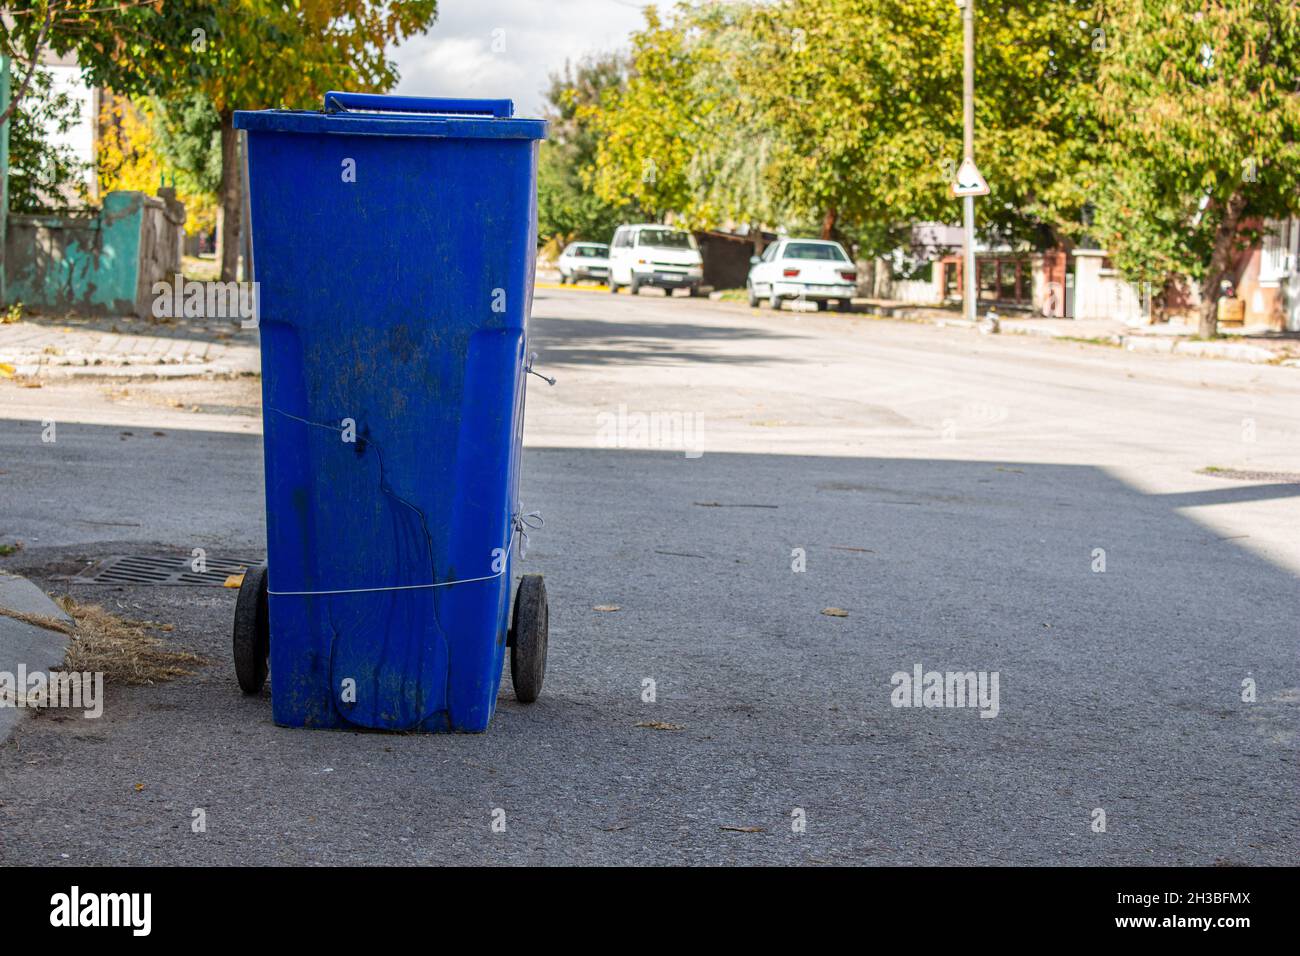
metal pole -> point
(5, 93)
(968, 149)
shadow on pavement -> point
(1120, 689)
(599, 342)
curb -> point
(1231, 351)
(55, 373)
(24, 647)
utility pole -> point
(968, 149)
(5, 93)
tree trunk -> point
(828, 223)
(1225, 243)
(230, 199)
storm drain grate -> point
(167, 570)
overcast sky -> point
(506, 48)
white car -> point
(584, 260)
(814, 269)
(650, 254)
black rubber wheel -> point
(634, 287)
(753, 296)
(252, 632)
(613, 286)
(528, 636)
(821, 304)
(844, 305)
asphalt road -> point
(949, 491)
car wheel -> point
(564, 280)
(774, 301)
(613, 286)
(821, 304)
(844, 305)
(753, 296)
(633, 286)
(693, 291)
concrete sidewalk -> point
(1235, 345)
(42, 348)
(24, 647)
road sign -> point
(969, 181)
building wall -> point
(103, 262)
(1101, 293)
(1267, 278)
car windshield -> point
(664, 239)
(589, 252)
(815, 250)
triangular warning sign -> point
(969, 181)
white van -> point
(652, 254)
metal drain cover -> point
(172, 569)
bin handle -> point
(336, 102)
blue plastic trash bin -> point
(394, 242)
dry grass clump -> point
(124, 651)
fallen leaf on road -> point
(234, 581)
(835, 612)
(743, 829)
(607, 607)
(139, 787)
(659, 725)
(31, 384)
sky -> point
(507, 48)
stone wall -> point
(102, 262)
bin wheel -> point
(528, 637)
(252, 631)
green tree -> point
(644, 127)
(567, 208)
(44, 174)
(241, 54)
(865, 96)
(1202, 126)
(680, 135)
(187, 136)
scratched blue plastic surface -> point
(399, 302)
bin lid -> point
(374, 114)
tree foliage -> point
(240, 54)
(1201, 106)
(45, 174)
(866, 95)
(680, 135)
(141, 147)
(567, 207)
